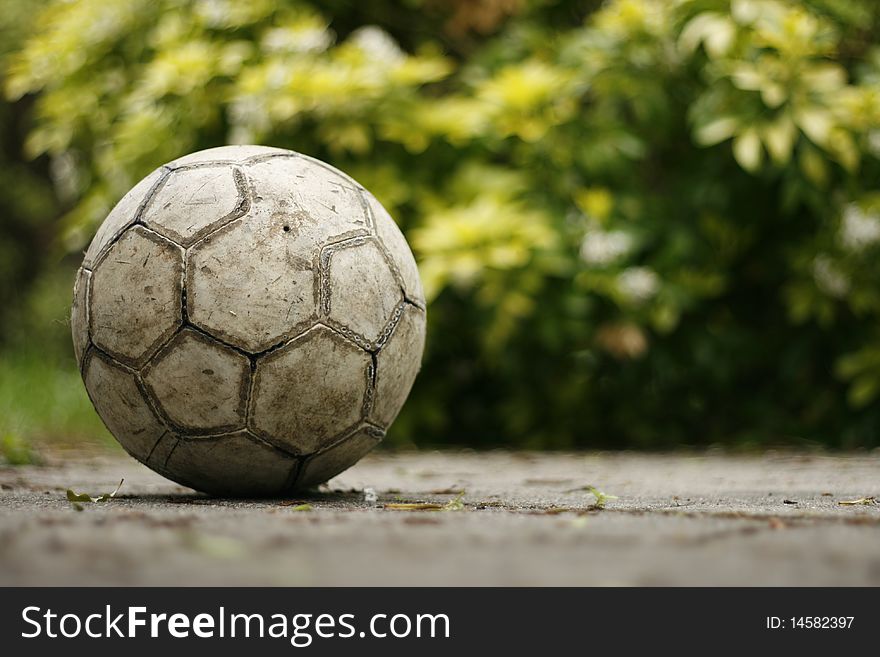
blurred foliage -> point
(27, 200)
(639, 222)
(42, 398)
(40, 391)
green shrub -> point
(640, 222)
(27, 198)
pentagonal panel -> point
(309, 392)
(200, 384)
(398, 248)
(359, 291)
(123, 215)
(234, 153)
(136, 296)
(326, 465)
(234, 464)
(79, 313)
(192, 202)
(250, 284)
(397, 365)
(316, 202)
(121, 405)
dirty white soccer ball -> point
(248, 320)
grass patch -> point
(16, 451)
(42, 401)
(42, 397)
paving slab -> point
(509, 518)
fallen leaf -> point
(456, 504)
(601, 498)
(78, 497)
(413, 506)
(451, 505)
(75, 498)
(862, 500)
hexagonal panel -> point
(234, 464)
(398, 248)
(136, 296)
(359, 291)
(123, 215)
(79, 313)
(397, 365)
(311, 391)
(317, 202)
(233, 153)
(344, 177)
(192, 202)
(250, 285)
(200, 384)
(123, 409)
(326, 465)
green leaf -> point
(601, 498)
(715, 31)
(716, 131)
(747, 78)
(779, 138)
(106, 497)
(816, 124)
(455, 504)
(864, 390)
(747, 150)
(773, 94)
(843, 148)
(78, 497)
(75, 497)
(850, 365)
(824, 77)
(813, 166)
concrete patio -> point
(507, 518)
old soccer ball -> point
(248, 320)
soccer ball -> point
(248, 320)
